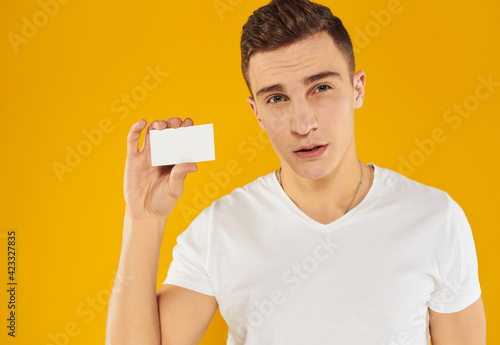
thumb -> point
(180, 171)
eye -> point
(323, 88)
(275, 99)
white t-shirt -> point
(368, 277)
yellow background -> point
(65, 78)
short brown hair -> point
(284, 22)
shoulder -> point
(242, 199)
(411, 193)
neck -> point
(326, 197)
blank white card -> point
(182, 145)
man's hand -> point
(152, 191)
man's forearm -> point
(133, 309)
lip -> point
(312, 154)
(309, 146)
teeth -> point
(314, 148)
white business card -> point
(182, 145)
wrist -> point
(148, 223)
(146, 218)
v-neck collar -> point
(337, 222)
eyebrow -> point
(306, 81)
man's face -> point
(303, 97)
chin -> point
(313, 170)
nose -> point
(303, 117)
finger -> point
(133, 136)
(157, 124)
(187, 122)
(174, 122)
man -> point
(325, 250)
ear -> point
(253, 105)
(359, 89)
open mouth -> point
(314, 148)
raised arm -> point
(135, 306)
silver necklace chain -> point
(359, 186)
